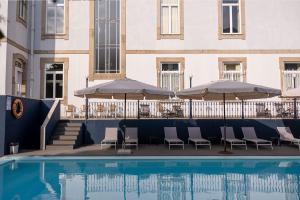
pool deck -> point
(162, 150)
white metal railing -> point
(45, 124)
(291, 79)
(233, 75)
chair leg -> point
(257, 147)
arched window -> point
(19, 75)
(20, 88)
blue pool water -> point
(163, 179)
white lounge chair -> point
(195, 136)
(250, 136)
(171, 137)
(230, 138)
(110, 138)
(286, 134)
(131, 137)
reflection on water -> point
(162, 180)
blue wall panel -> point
(153, 128)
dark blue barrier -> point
(26, 130)
(152, 129)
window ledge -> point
(22, 21)
(240, 36)
(106, 76)
(55, 36)
(170, 36)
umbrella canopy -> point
(292, 93)
(228, 90)
(133, 89)
(232, 90)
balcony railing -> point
(187, 109)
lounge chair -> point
(171, 137)
(230, 138)
(285, 134)
(195, 136)
(110, 138)
(131, 137)
(250, 136)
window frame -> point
(282, 62)
(43, 63)
(241, 34)
(44, 33)
(54, 73)
(179, 35)
(109, 47)
(178, 60)
(241, 60)
(170, 72)
(101, 76)
(22, 4)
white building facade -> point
(51, 48)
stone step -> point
(64, 142)
(68, 128)
(68, 133)
(69, 125)
(59, 147)
(65, 137)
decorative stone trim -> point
(216, 51)
(242, 35)
(45, 35)
(180, 60)
(170, 36)
(282, 61)
(242, 60)
(43, 62)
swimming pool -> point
(163, 178)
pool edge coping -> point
(6, 160)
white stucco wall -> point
(3, 47)
(78, 29)
(270, 24)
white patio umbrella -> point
(124, 89)
(228, 90)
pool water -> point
(150, 179)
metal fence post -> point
(243, 114)
(295, 109)
(191, 109)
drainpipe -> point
(31, 59)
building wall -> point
(270, 24)
(271, 32)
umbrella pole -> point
(224, 113)
(125, 102)
(295, 108)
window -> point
(233, 69)
(19, 80)
(291, 75)
(231, 16)
(55, 17)
(107, 36)
(170, 17)
(54, 81)
(170, 77)
(231, 19)
(170, 73)
(22, 11)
